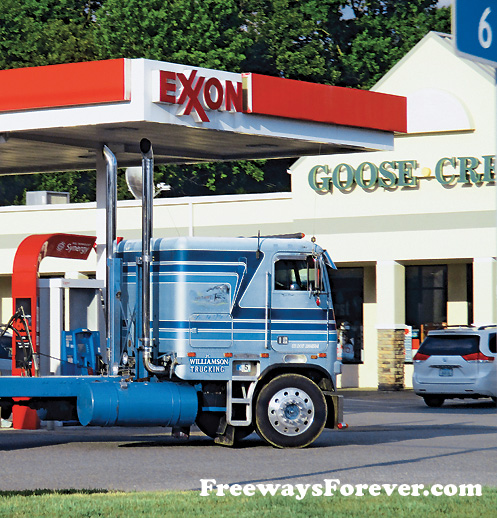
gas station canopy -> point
(58, 117)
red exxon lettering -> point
(197, 96)
(191, 93)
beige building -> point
(412, 231)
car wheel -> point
(290, 411)
(434, 401)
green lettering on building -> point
(387, 178)
(349, 171)
(467, 166)
(449, 171)
(320, 183)
(439, 171)
(488, 168)
(373, 175)
(406, 168)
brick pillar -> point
(391, 359)
(390, 282)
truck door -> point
(211, 324)
(298, 307)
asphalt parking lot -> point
(392, 438)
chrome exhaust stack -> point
(111, 225)
(147, 226)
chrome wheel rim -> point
(291, 411)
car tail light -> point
(420, 357)
(478, 358)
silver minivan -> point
(456, 363)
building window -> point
(426, 298)
(347, 290)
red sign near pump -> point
(29, 255)
(68, 246)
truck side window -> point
(290, 274)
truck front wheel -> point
(290, 411)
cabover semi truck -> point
(231, 334)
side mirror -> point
(311, 275)
(314, 275)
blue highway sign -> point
(475, 30)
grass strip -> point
(79, 504)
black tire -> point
(290, 411)
(208, 423)
(434, 401)
(494, 399)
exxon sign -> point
(197, 94)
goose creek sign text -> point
(392, 174)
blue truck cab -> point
(244, 319)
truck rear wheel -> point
(290, 411)
(209, 424)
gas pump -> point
(26, 295)
(69, 342)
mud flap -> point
(334, 403)
(228, 438)
(225, 434)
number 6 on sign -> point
(474, 24)
(484, 30)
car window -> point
(492, 343)
(450, 345)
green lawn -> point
(188, 504)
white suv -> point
(456, 363)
